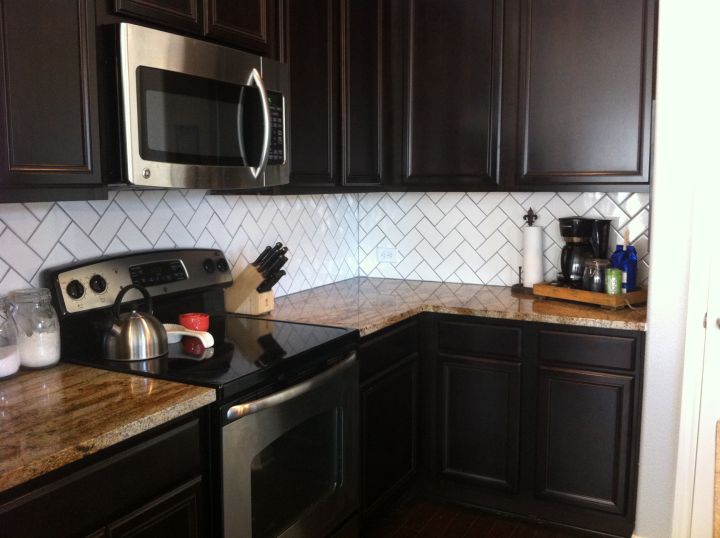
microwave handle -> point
(241, 410)
(260, 85)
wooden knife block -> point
(243, 298)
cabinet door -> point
(176, 14)
(240, 23)
(388, 414)
(314, 57)
(584, 438)
(585, 92)
(363, 57)
(174, 515)
(451, 92)
(48, 100)
(480, 421)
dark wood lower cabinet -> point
(388, 414)
(148, 487)
(537, 420)
(480, 420)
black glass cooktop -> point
(248, 353)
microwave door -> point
(254, 124)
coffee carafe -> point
(584, 239)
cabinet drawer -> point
(383, 350)
(597, 350)
(479, 339)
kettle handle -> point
(123, 291)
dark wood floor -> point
(420, 518)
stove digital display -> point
(153, 274)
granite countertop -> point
(371, 304)
(52, 417)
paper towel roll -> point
(532, 256)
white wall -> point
(686, 125)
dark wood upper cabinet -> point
(362, 91)
(314, 58)
(452, 58)
(49, 137)
(337, 56)
(585, 91)
(241, 23)
(177, 14)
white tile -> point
(108, 226)
(39, 209)
(115, 247)
(151, 198)
(49, 232)
(197, 224)
(82, 214)
(12, 281)
(57, 257)
(194, 197)
(133, 207)
(218, 231)
(451, 242)
(452, 218)
(220, 206)
(635, 202)
(19, 219)
(164, 242)
(180, 206)
(157, 222)
(79, 244)
(18, 255)
(448, 266)
(132, 237)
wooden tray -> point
(547, 289)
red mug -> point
(195, 321)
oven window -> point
(192, 120)
(299, 469)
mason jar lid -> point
(31, 295)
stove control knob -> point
(222, 265)
(98, 284)
(75, 289)
(209, 266)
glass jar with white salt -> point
(9, 355)
(38, 328)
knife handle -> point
(268, 284)
(264, 254)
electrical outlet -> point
(387, 255)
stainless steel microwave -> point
(199, 115)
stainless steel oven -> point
(289, 459)
(200, 115)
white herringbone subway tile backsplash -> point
(454, 237)
(320, 231)
(476, 237)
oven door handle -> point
(241, 410)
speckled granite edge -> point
(45, 464)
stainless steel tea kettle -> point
(134, 336)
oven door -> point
(290, 460)
(196, 114)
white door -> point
(703, 491)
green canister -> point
(613, 281)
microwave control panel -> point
(276, 104)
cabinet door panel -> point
(585, 91)
(481, 421)
(452, 92)
(363, 91)
(242, 23)
(584, 422)
(48, 94)
(388, 411)
(314, 74)
(177, 14)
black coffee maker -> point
(584, 239)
